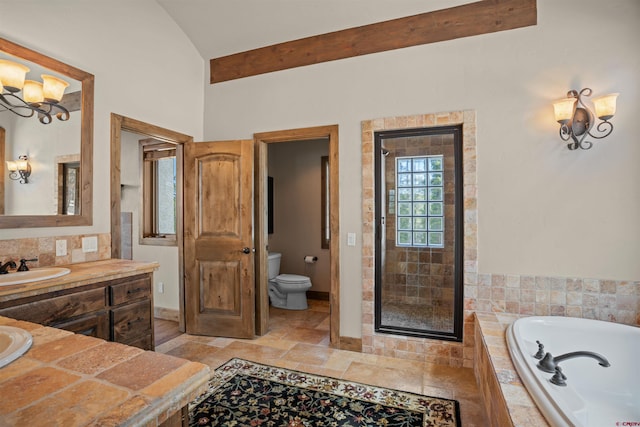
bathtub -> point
(594, 396)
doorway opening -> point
(122, 129)
(270, 151)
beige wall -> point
(295, 168)
(542, 210)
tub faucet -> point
(549, 363)
(4, 267)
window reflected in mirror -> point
(68, 184)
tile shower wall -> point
(420, 277)
(44, 248)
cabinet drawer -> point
(133, 288)
(144, 342)
(131, 321)
(93, 325)
(58, 309)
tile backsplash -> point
(44, 248)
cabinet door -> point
(130, 322)
(94, 325)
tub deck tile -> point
(496, 371)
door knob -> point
(246, 250)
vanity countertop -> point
(69, 379)
(81, 274)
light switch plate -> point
(90, 244)
(61, 247)
(351, 239)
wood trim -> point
(318, 295)
(483, 17)
(118, 124)
(166, 314)
(86, 144)
(3, 170)
(262, 297)
(351, 344)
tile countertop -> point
(67, 379)
(84, 273)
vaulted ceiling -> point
(223, 27)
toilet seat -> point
(292, 279)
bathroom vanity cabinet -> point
(115, 309)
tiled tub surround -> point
(44, 248)
(67, 379)
(506, 399)
(610, 300)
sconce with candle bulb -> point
(19, 169)
(577, 120)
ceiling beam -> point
(486, 16)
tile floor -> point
(300, 340)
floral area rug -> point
(243, 393)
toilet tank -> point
(273, 266)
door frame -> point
(118, 124)
(261, 236)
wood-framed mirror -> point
(82, 129)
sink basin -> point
(32, 275)
(14, 342)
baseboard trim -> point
(322, 296)
(351, 344)
(166, 313)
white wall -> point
(42, 144)
(135, 51)
(542, 209)
(167, 256)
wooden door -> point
(218, 239)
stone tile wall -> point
(609, 300)
(44, 248)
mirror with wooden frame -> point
(69, 173)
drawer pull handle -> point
(138, 319)
(133, 291)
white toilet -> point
(288, 291)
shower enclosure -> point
(419, 232)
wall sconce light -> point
(577, 120)
(37, 97)
(19, 169)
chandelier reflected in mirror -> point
(41, 98)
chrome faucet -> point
(549, 363)
(5, 267)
